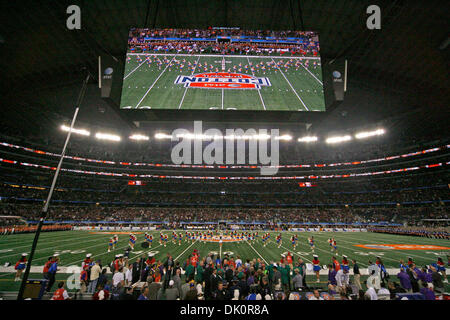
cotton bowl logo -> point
(222, 80)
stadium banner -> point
(338, 76)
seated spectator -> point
(316, 296)
(371, 294)
(428, 292)
(144, 294)
(405, 281)
(101, 294)
(127, 294)
(384, 293)
(60, 293)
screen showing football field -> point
(223, 69)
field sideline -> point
(74, 245)
(152, 87)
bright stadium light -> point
(107, 136)
(77, 131)
(338, 139)
(162, 136)
(308, 139)
(284, 137)
(139, 137)
(366, 134)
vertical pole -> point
(49, 197)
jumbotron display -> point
(223, 69)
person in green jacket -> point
(269, 269)
(284, 270)
(189, 272)
(199, 277)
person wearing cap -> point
(171, 291)
(20, 265)
(87, 261)
(94, 276)
(153, 288)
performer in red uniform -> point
(20, 266)
(316, 267)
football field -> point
(74, 245)
(260, 83)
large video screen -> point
(223, 69)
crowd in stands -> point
(231, 278)
(214, 33)
(411, 216)
(137, 41)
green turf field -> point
(74, 245)
(295, 86)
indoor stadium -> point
(225, 150)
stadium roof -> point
(401, 67)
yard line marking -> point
(290, 86)
(393, 251)
(222, 99)
(155, 82)
(185, 90)
(185, 250)
(295, 253)
(332, 253)
(101, 254)
(47, 248)
(134, 69)
(256, 252)
(259, 90)
(311, 73)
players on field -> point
(330, 242)
(132, 240)
(279, 240)
(180, 238)
(20, 266)
(149, 239)
(335, 249)
(294, 241)
(311, 243)
(110, 244)
(316, 267)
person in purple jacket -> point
(405, 281)
(428, 293)
(332, 275)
